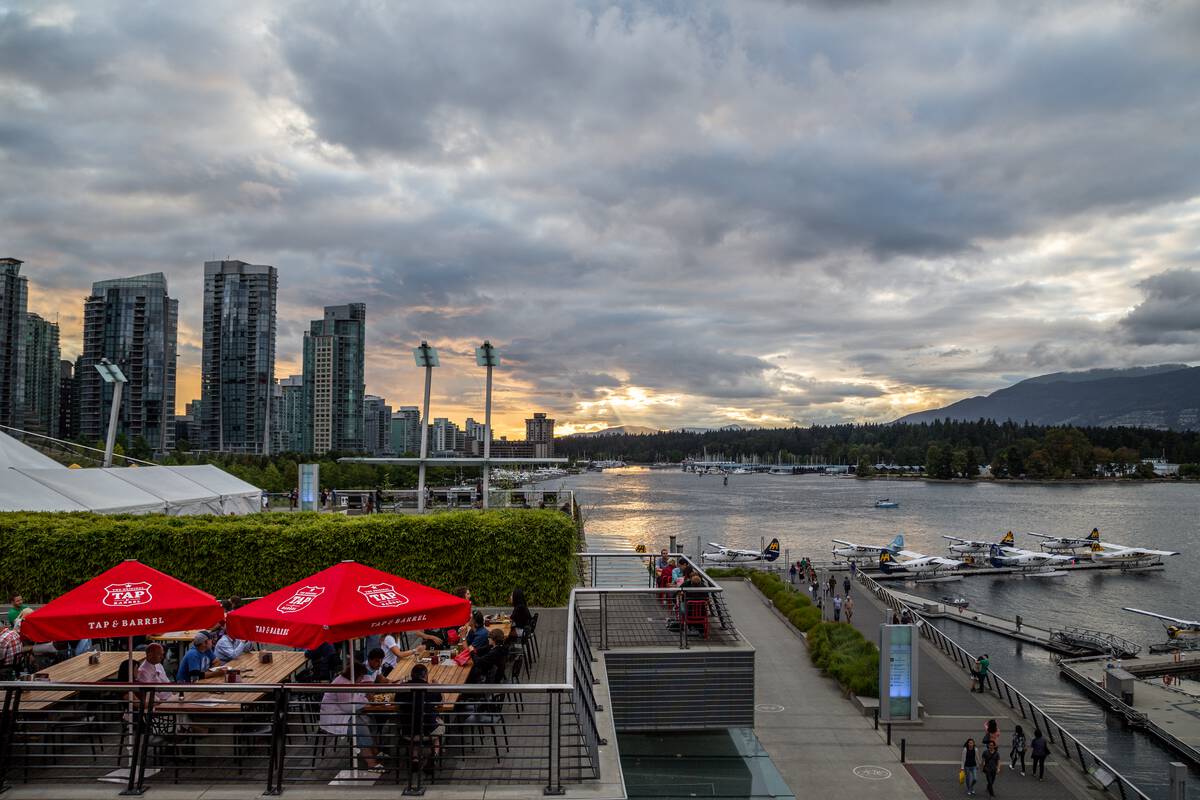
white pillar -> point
(487, 436)
(424, 440)
(113, 412)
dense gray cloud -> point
(663, 213)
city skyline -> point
(752, 213)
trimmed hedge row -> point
(837, 648)
(493, 552)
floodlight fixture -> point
(486, 355)
(426, 356)
(110, 372)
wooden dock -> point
(1161, 705)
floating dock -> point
(1147, 692)
(1071, 642)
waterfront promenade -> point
(814, 735)
(952, 714)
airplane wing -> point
(947, 562)
(844, 543)
(1146, 552)
(1163, 617)
(956, 539)
(718, 546)
(1041, 535)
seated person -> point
(197, 662)
(430, 724)
(11, 648)
(323, 662)
(434, 638)
(393, 652)
(342, 715)
(229, 648)
(374, 665)
(487, 662)
(477, 634)
(151, 671)
(521, 616)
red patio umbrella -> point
(131, 599)
(346, 601)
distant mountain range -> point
(620, 430)
(1165, 397)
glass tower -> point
(335, 380)
(41, 376)
(134, 324)
(238, 365)
(14, 298)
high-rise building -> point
(377, 425)
(42, 358)
(133, 323)
(290, 421)
(238, 364)
(335, 379)
(539, 432)
(406, 430)
(443, 436)
(14, 299)
(68, 417)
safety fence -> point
(277, 735)
(1060, 739)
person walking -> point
(853, 568)
(837, 608)
(848, 607)
(846, 586)
(991, 766)
(991, 733)
(1039, 749)
(1018, 750)
(968, 765)
(832, 584)
(792, 574)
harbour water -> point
(627, 507)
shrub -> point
(45, 555)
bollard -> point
(903, 743)
(876, 718)
(889, 733)
(673, 548)
(1178, 772)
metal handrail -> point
(1006, 691)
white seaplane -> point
(1129, 557)
(729, 555)
(968, 547)
(1034, 562)
(1176, 628)
(918, 565)
(852, 551)
(1061, 544)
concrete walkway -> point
(954, 713)
(817, 738)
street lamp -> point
(425, 357)
(486, 356)
(111, 373)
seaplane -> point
(730, 555)
(1176, 628)
(968, 547)
(1061, 544)
(852, 551)
(1129, 557)
(916, 564)
(1035, 562)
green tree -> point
(865, 468)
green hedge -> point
(493, 552)
(836, 647)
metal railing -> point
(286, 734)
(622, 605)
(1060, 739)
(392, 500)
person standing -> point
(1039, 749)
(984, 666)
(853, 568)
(969, 764)
(1018, 750)
(991, 733)
(837, 608)
(846, 586)
(848, 606)
(792, 574)
(991, 766)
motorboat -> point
(957, 602)
(886, 503)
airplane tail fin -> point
(897, 544)
(1008, 539)
(1094, 536)
(885, 561)
(772, 551)
(995, 556)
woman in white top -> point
(393, 652)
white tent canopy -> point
(21, 493)
(182, 496)
(237, 496)
(16, 454)
(96, 490)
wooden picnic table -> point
(76, 670)
(450, 674)
(176, 637)
(283, 664)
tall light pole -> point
(486, 356)
(426, 357)
(111, 373)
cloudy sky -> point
(673, 213)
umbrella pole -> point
(131, 675)
(354, 716)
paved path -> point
(954, 713)
(820, 737)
